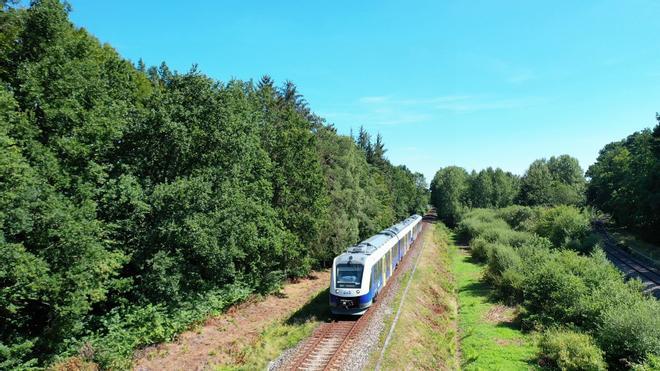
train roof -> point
(373, 243)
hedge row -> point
(547, 261)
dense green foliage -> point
(545, 260)
(449, 193)
(557, 181)
(135, 201)
(625, 182)
(572, 351)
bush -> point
(123, 330)
(562, 287)
(518, 217)
(563, 225)
(504, 272)
(551, 293)
(570, 350)
(629, 332)
(480, 249)
(651, 364)
(475, 222)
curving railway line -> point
(330, 342)
(630, 266)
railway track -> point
(650, 276)
(328, 345)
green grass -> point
(487, 344)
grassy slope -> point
(280, 336)
(487, 344)
(425, 335)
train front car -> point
(348, 282)
(362, 271)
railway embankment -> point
(248, 335)
(421, 332)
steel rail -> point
(310, 355)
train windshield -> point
(349, 275)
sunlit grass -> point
(487, 344)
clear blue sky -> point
(468, 83)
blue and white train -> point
(362, 271)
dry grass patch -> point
(499, 313)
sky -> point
(468, 83)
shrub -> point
(570, 350)
(505, 236)
(518, 217)
(629, 332)
(122, 330)
(652, 363)
(563, 225)
(504, 272)
(551, 293)
(480, 249)
(501, 258)
(475, 222)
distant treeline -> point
(559, 180)
(135, 200)
(624, 183)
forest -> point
(534, 234)
(135, 200)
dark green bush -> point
(504, 272)
(122, 330)
(571, 351)
(563, 225)
(480, 249)
(518, 217)
(629, 331)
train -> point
(352, 291)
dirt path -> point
(220, 336)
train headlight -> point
(358, 291)
(336, 291)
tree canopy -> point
(128, 187)
(557, 181)
(625, 182)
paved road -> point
(632, 266)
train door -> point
(395, 254)
(388, 261)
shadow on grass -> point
(483, 289)
(315, 309)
